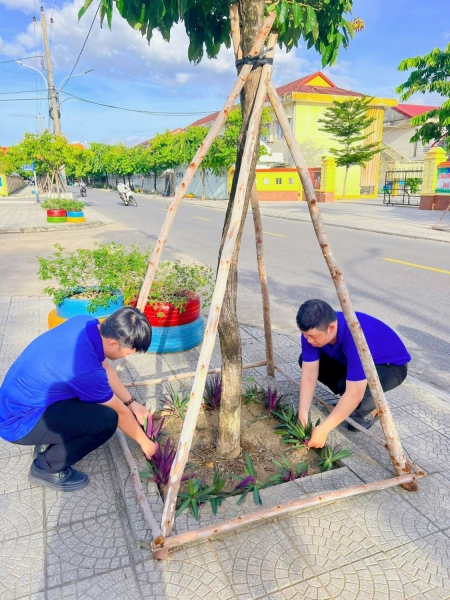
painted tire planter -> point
(57, 219)
(76, 219)
(75, 214)
(178, 338)
(172, 316)
(53, 319)
(71, 307)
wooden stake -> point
(140, 494)
(387, 423)
(200, 155)
(236, 38)
(196, 397)
(210, 531)
(186, 375)
(264, 283)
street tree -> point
(164, 152)
(429, 73)
(318, 23)
(118, 161)
(96, 160)
(347, 122)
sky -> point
(158, 77)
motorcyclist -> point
(124, 190)
(83, 188)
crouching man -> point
(329, 355)
(63, 393)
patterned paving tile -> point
(193, 573)
(22, 567)
(261, 560)
(21, 513)
(85, 549)
(432, 499)
(14, 473)
(431, 451)
(119, 584)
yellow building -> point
(305, 101)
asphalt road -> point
(413, 301)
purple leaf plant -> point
(152, 429)
(213, 393)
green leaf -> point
(311, 20)
(297, 14)
(283, 11)
(183, 507)
(84, 8)
(194, 507)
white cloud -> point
(26, 6)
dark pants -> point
(72, 429)
(333, 374)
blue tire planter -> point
(178, 338)
(75, 214)
(71, 307)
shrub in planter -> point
(62, 204)
(92, 281)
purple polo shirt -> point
(384, 344)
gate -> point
(402, 187)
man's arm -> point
(121, 392)
(308, 382)
(353, 395)
(128, 424)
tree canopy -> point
(430, 73)
(320, 23)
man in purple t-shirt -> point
(329, 355)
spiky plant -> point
(199, 493)
(213, 392)
(295, 433)
(287, 471)
(249, 483)
(176, 402)
(152, 429)
(272, 399)
(328, 457)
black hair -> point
(315, 314)
(129, 327)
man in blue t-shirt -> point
(62, 392)
(329, 355)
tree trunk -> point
(251, 16)
(154, 181)
(345, 182)
(203, 184)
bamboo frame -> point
(186, 375)
(161, 547)
(387, 423)
(405, 478)
(198, 386)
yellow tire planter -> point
(54, 320)
(76, 219)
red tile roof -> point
(299, 85)
(413, 110)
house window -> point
(278, 131)
(266, 181)
(278, 180)
(291, 181)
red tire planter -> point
(56, 213)
(172, 316)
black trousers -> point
(72, 429)
(333, 374)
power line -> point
(23, 92)
(21, 99)
(145, 112)
(82, 48)
(16, 59)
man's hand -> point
(318, 437)
(149, 448)
(139, 411)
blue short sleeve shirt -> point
(384, 344)
(63, 363)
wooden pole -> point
(366, 432)
(387, 423)
(140, 494)
(236, 38)
(186, 375)
(200, 155)
(196, 397)
(161, 547)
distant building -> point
(398, 131)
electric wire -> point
(145, 112)
(82, 47)
(2, 62)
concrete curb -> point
(47, 228)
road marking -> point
(275, 234)
(202, 219)
(408, 264)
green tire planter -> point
(56, 219)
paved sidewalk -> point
(363, 215)
(85, 545)
(19, 214)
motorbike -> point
(127, 199)
(83, 191)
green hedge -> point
(62, 204)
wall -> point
(10, 183)
(289, 189)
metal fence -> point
(402, 187)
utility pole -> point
(51, 85)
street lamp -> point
(34, 69)
(72, 76)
